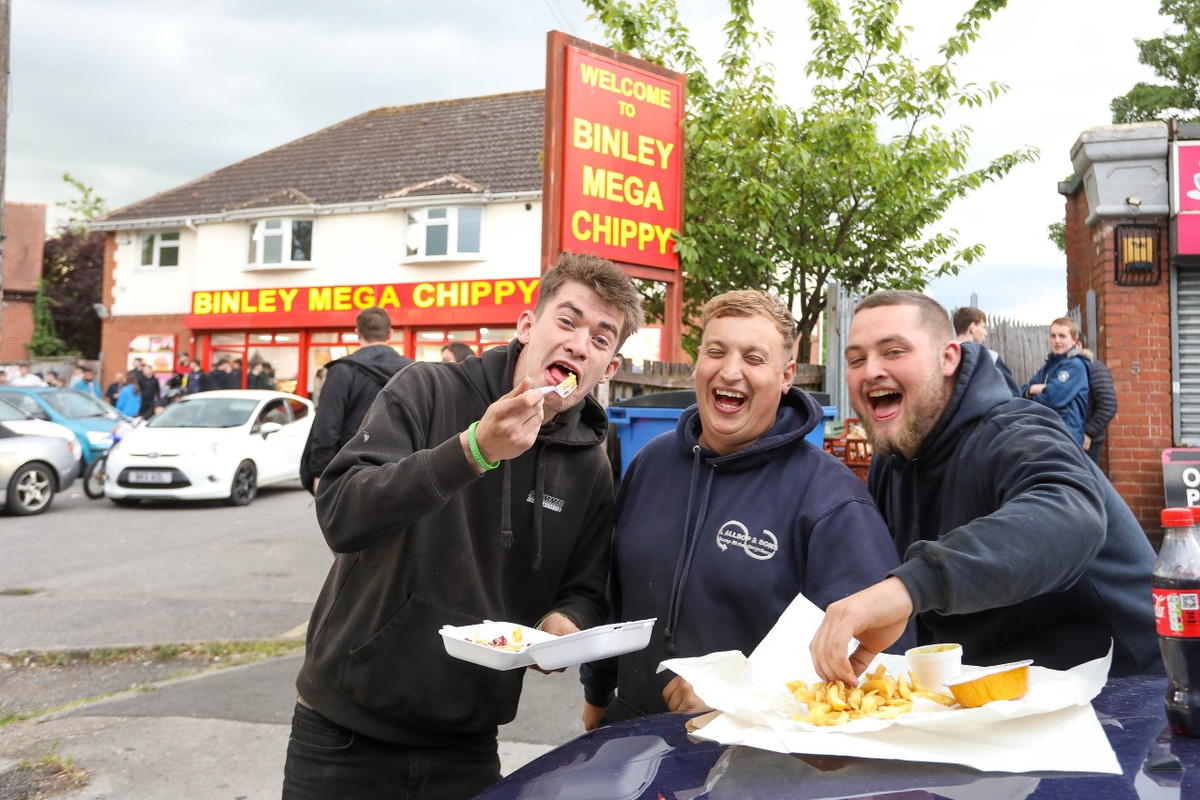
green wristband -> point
(479, 459)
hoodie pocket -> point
(403, 670)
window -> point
(444, 233)
(280, 242)
(160, 249)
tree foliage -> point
(45, 341)
(847, 189)
(73, 273)
(1174, 57)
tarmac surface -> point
(91, 575)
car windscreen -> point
(77, 405)
(10, 413)
(205, 413)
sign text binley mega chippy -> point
(481, 302)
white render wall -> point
(348, 249)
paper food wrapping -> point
(1052, 728)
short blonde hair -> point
(752, 303)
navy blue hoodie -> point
(717, 546)
(1014, 542)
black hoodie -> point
(422, 542)
(1013, 542)
(351, 384)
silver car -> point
(33, 469)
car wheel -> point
(31, 490)
(245, 485)
(93, 479)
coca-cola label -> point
(1177, 612)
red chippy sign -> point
(622, 160)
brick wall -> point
(1134, 340)
(25, 232)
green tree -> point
(73, 272)
(1174, 57)
(847, 189)
(45, 341)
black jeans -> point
(326, 761)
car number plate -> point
(149, 477)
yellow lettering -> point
(446, 295)
(229, 303)
(202, 303)
(288, 296)
(389, 298)
(582, 137)
(320, 299)
(364, 296)
(527, 288)
(422, 295)
(266, 301)
(341, 298)
(625, 86)
(479, 290)
(664, 151)
(619, 232)
(247, 306)
(504, 289)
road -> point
(90, 574)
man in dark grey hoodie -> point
(471, 491)
(1012, 541)
(351, 384)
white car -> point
(26, 424)
(219, 445)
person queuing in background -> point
(721, 523)
(1062, 382)
(149, 389)
(456, 352)
(258, 377)
(196, 380)
(52, 378)
(1102, 404)
(87, 383)
(970, 325)
(222, 376)
(114, 388)
(129, 401)
(351, 384)
(235, 375)
(26, 378)
(1013, 543)
(469, 493)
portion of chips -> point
(878, 696)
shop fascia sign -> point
(616, 150)
(1185, 175)
(429, 302)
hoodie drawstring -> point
(506, 531)
(684, 564)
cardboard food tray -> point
(544, 649)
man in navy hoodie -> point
(1013, 542)
(723, 522)
(1063, 380)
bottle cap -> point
(1176, 517)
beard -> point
(923, 407)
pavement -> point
(219, 735)
(101, 576)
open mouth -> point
(559, 372)
(728, 400)
(885, 403)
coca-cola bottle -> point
(1177, 617)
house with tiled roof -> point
(431, 211)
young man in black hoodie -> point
(1012, 541)
(351, 384)
(468, 493)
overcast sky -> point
(134, 97)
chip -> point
(878, 696)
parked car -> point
(219, 445)
(22, 422)
(33, 469)
(91, 420)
